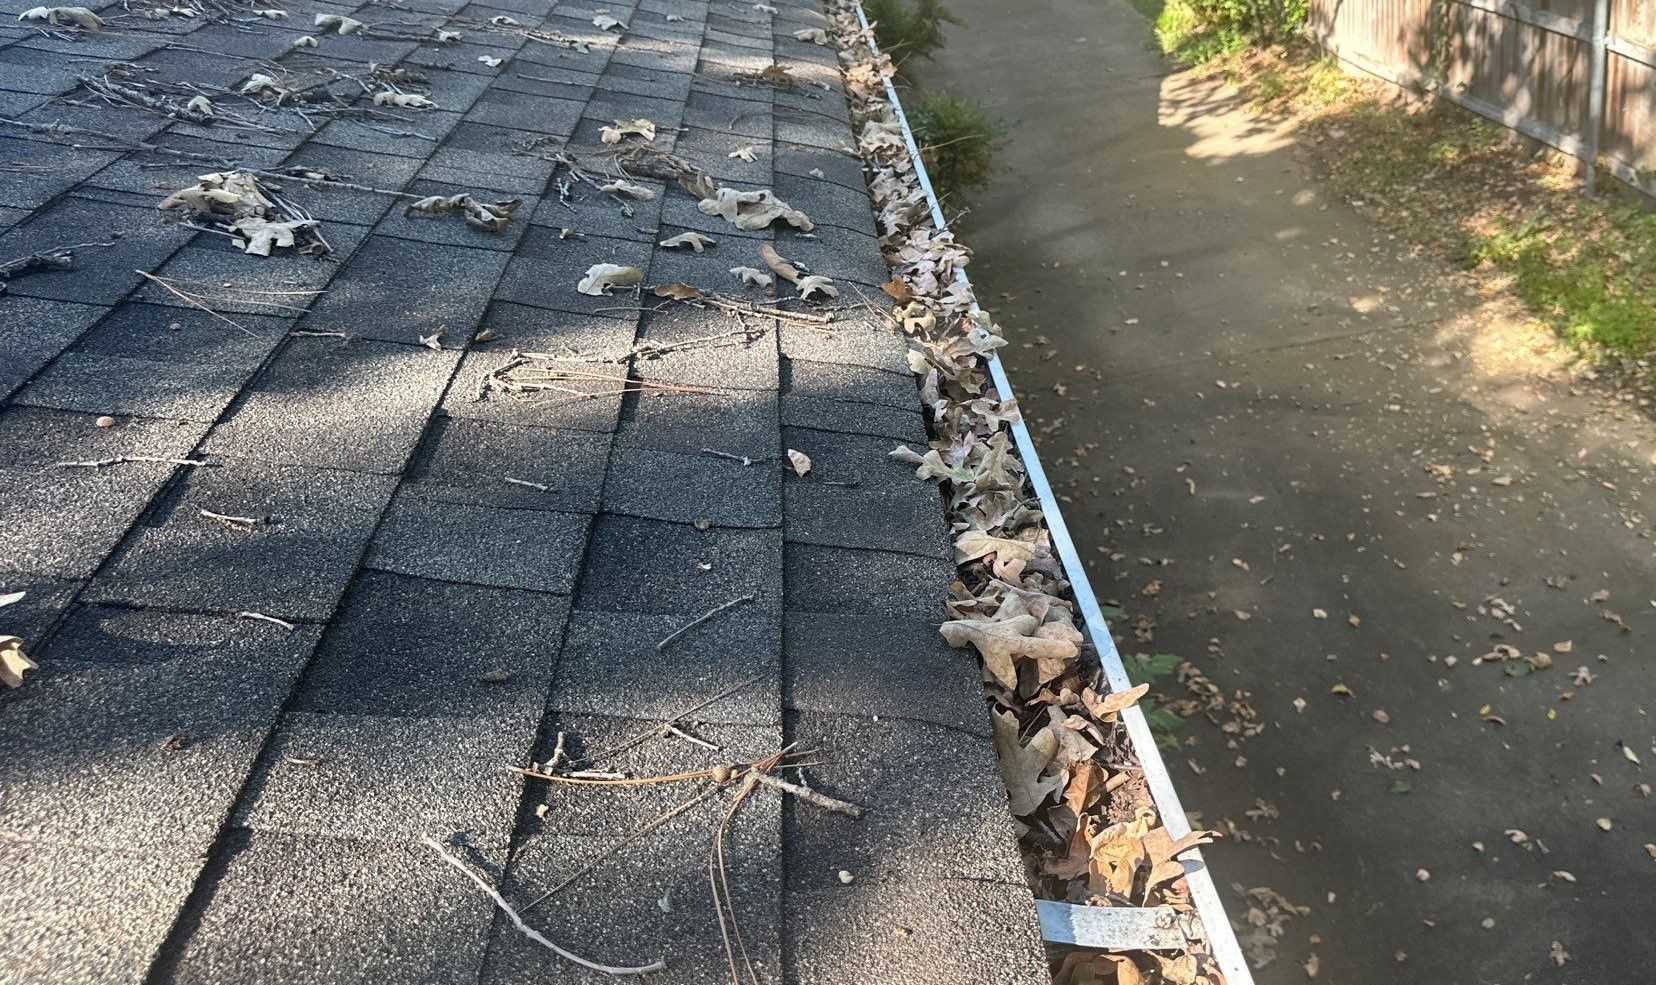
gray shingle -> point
(331, 203)
(704, 348)
(856, 384)
(595, 406)
(372, 912)
(165, 334)
(392, 292)
(100, 275)
(37, 172)
(897, 425)
(359, 405)
(875, 931)
(472, 462)
(905, 518)
(853, 341)
(610, 665)
(886, 666)
(224, 278)
(348, 776)
(410, 646)
(691, 488)
(293, 564)
(140, 727)
(521, 111)
(192, 391)
(88, 916)
(546, 270)
(64, 521)
(43, 603)
(737, 422)
(485, 156)
(615, 914)
(648, 566)
(33, 331)
(837, 579)
(906, 833)
(507, 548)
(836, 165)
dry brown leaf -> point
(403, 100)
(753, 210)
(974, 544)
(1001, 643)
(14, 663)
(1114, 702)
(752, 277)
(816, 284)
(696, 241)
(490, 217)
(78, 16)
(621, 186)
(1086, 786)
(779, 264)
(899, 290)
(640, 127)
(343, 25)
(600, 277)
(678, 291)
(1022, 766)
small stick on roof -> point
(530, 932)
(701, 619)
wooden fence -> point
(1579, 75)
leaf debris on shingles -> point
(490, 217)
(251, 212)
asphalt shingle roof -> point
(344, 581)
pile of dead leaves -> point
(1089, 828)
(251, 212)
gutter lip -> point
(1204, 893)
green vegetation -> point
(1145, 668)
(1464, 187)
(1575, 272)
(958, 140)
(1195, 32)
(909, 29)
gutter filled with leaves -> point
(1112, 859)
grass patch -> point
(1462, 186)
(958, 141)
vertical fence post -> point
(1596, 81)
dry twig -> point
(699, 620)
(530, 932)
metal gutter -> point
(1084, 928)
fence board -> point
(1526, 64)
